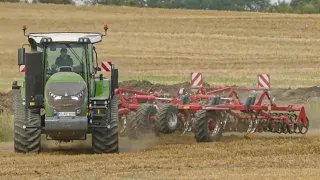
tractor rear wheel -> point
(29, 139)
(144, 115)
(208, 126)
(106, 140)
(167, 119)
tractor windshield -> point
(66, 58)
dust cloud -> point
(85, 146)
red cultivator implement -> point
(208, 113)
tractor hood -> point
(65, 92)
(66, 84)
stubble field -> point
(164, 46)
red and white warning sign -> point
(106, 66)
(196, 79)
(22, 68)
(264, 81)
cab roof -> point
(66, 36)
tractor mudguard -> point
(102, 87)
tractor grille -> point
(65, 104)
(60, 95)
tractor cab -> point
(67, 52)
(65, 57)
(69, 57)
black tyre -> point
(106, 140)
(143, 117)
(131, 125)
(25, 140)
(208, 126)
(122, 126)
(303, 129)
(167, 119)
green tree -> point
(192, 4)
(57, 1)
(316, 4)
(308, 9)
(295, 3)
(11, 1)
(177, 4)
(256, 5)
(281, 7)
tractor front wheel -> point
(106, 140)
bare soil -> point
(172, 157)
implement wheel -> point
(131, 125)
(208, 126)
(302, 128)
(167, 119)
(145, 118)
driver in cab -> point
(64, 59)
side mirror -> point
(15, 85)
(21, 56)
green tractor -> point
(61, 95)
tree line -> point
(295, 6)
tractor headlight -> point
(77, 96)
(55, 97)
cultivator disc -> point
(186, 122)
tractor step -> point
(97, 126)
(99, 103)
(99, 99)
(30, 127)
(99, 115)
(98, 107)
